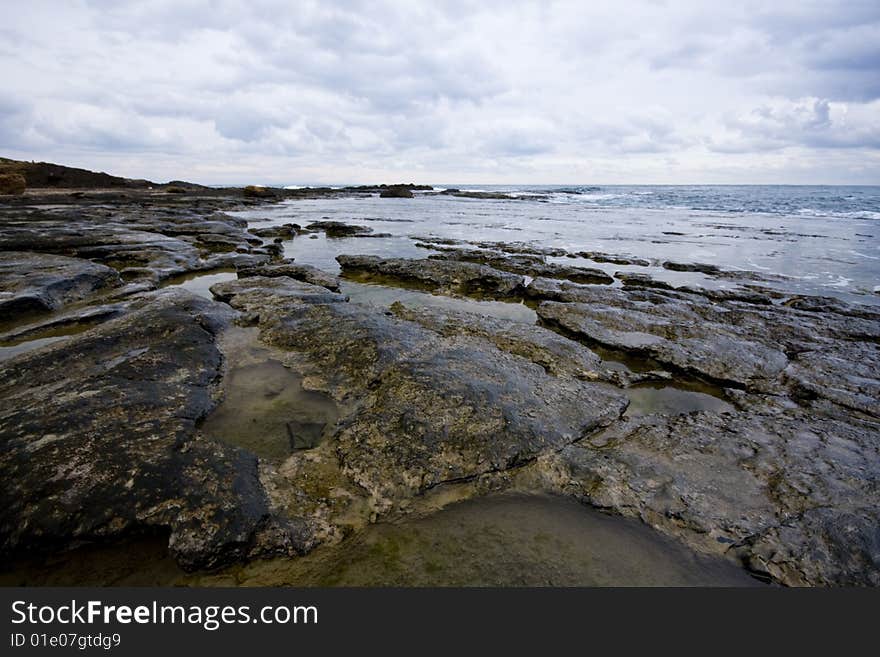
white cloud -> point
(235, 91)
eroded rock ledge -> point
(102, 434)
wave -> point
(843, 214)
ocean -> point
(817, 240)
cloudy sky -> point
(271, 91)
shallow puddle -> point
(266, 411)
(503, 540)
(200, 282)
(28, 345)
(265, 408)
(320, 251)
(384, 295)
(41, 338)
(508, 540)
(661, 398)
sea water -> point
(818, 240)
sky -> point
(506, 92)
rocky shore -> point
(109, 403)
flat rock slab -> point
(438, 275)
(151, 243)
(557, 354)
(794, 495)
(99, 442)
(809, 353)
(693, 346)
(526, 265)
(34, 282)
(427, 408)
(267, 298)
(305, 273)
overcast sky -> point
(268, 91)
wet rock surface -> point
(136, 240)
(761, 484)
(109, 449)
(442, 276)
(33, 283)
(700, 348)
(527, 265)
(285, 232)
(137, 422)
(339, 229)
(434, 409)
(597, 256)
(305, 273)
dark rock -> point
(62, 320)
(285, 231)
(428, 239)
(638, 280)
(547, 289)
(136, 243)
(99, 442)
(703, 268)
(339, 229)
(597, 256)
(632, 279)
(558, 355)
(396, 191)
(832, 305)
(437, 409)
(520, 248)
(846, 373)
(738, 294)
(256, 191)
(492, 196)
(275, 250)
(45, 174)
